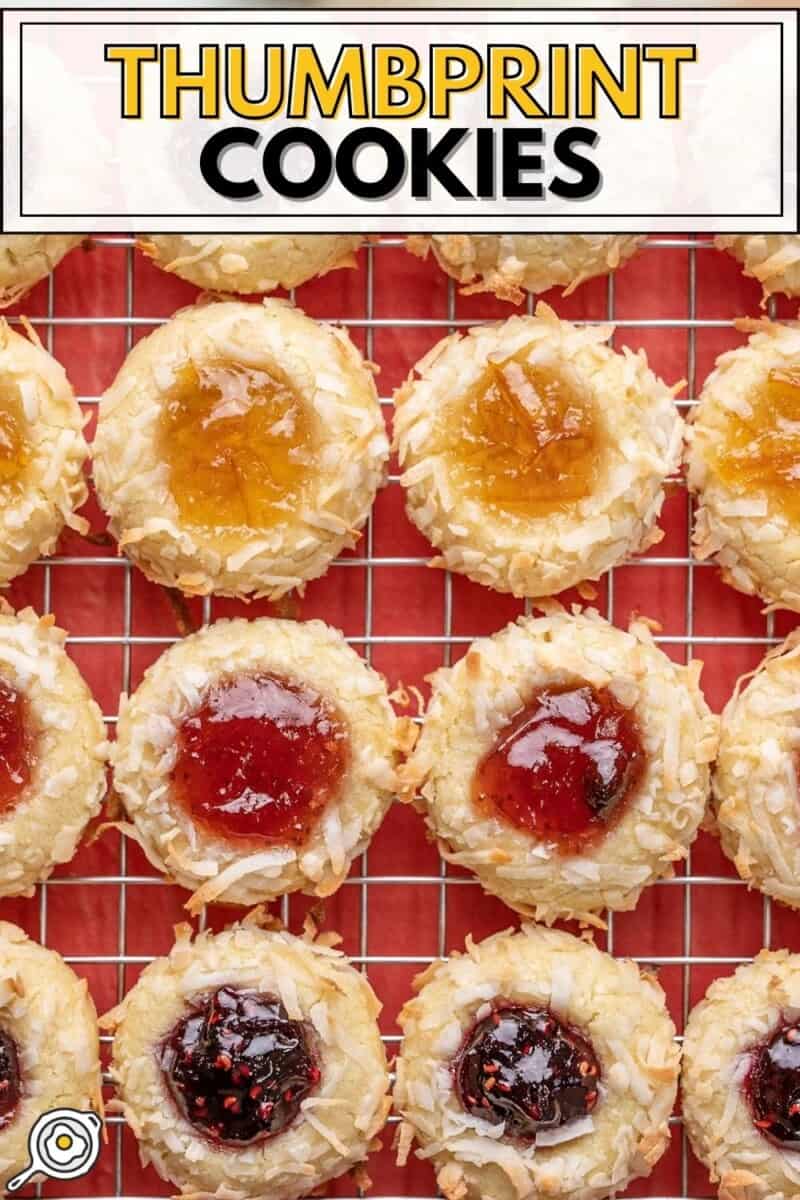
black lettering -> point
(590, 178)
(212, 152)
(350, 147)
(320, 174)
(515, 161)
(429, 161)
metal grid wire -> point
(442, 881)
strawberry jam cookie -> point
(512, 264)
(257, 758)
(534, 1065)
(26, 258)
(42, 453)
(534, 457)
(235, 263)
(566, 763)
(741, 1079)
(49, 1048)
(771, 258)
(239, 449)
(744, 464)
(52, 752)
(249, 1063)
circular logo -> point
(62, 1144)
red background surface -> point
(676, 299)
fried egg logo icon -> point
(63, 1144)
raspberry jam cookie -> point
(234, 263)
(771, 258)
(52, 752)
(42, 453)
(509, 265)
(257, 758)
(534, 456)
(239, 449)
(250, 1064)
(534, 1066)
(744, 462)
(49, 1048)
(741, 1079)
(566, 763)
(27, 258)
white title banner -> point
(418, 120)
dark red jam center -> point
(772, 1087)
(525, 1067)
(10, 1079)
(564, 767)
(238, 1067)
(16, 746)
(260, 759)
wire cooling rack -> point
(109, 914)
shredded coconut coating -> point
(509, 265)
(49, 1013)
(737, 1014)
(771, 258)
(608, 1000)
(756, 545)
(144, 755)
(331, 378)
(68, 780)
(337, 1123)
(25, 258)
(478, 697)
(235, 263)
(51, 486)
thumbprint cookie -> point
(239, 449)
(744, 464)
(534, 457)
(250, 1063)
(42, 453)
(509, 265)
(235, 263)
(257, 758)
(771, 258)
(741, 1079)
(535, 1065)
(566, 763)
(26, 258)
(52, 752)
(49, 1047)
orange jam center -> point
(761, 452)
(13, 442)
(238, 445)
(16, 746)
(529, 437)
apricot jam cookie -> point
(52, 752)
(257, 758)
(261, 263)
(25, 258)
(250, 1064)
(534, 456)
(744, 463)
(239, 449)
(512, 264)
(741, 1079)
(771, 258)
(42, 453)
(49, 1048)
(566, 763)
(534, 1065)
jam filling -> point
(14, 452)
(772, 1087)
(237, 1067)
(260, 759)
(528, 438)
(761, 452)
(524, 1067)
(16, 746)
(10, 1079)
(238, 444)
(564, 768)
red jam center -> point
(10, 1079)
(238, 1068)
(260, 759)
(16, 752)
(524, 1067)
(564, 767)
(772, 1087)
